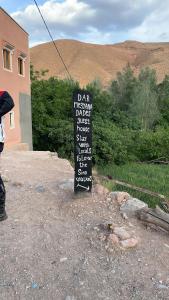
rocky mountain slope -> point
(87, 62)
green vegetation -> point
(130, 124)
(154, 178)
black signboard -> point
(82, 110)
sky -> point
(93, 21)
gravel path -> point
(49, 245)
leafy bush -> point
(125, 117)
(153, 144)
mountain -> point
(87, 62)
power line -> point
(57, 50)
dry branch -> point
(160, 160)
(154, 216)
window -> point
(7, 59)
(11, 120)
(20, 66)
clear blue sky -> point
(95, 21)
(13, 5)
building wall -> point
(11, 33)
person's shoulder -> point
(2, 93)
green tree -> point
(35, 75)
(144, 106)
(102, 101)
(52, 115)
(122, 89)
(163, 100)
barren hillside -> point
(87, 62)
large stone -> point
(132, 205)
(120, 197)
(121, 233)
(67, 185)
(113, 238)
(129, 243)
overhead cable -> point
(54, 43)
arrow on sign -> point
(84, 187)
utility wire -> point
(57, 50)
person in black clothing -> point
(6, 104)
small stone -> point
(113, 238)
(5, 178)
(17, 184)
(124, 216)
(40, 189)
(129, 243)
(96, 228)
(63, 259)
(162, 286)
(102, 237)
(121, 233)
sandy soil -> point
(49, 246)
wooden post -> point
(82, 111)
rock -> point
(5, 178)
(17, 184)
(113, 238)
(34, 285)
(67, 184)
(40, 189)
(96, 228)
(102, 237)
(129, 243)
(101, 190)
(70, 298)
(124, 216)
(132, 205)
(63, 259)
(162, 286)
(166, 245)
(121, 233)
(120, 197)
(54, 155)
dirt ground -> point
(49, 245)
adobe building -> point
(15, 78)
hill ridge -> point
(87, 62)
